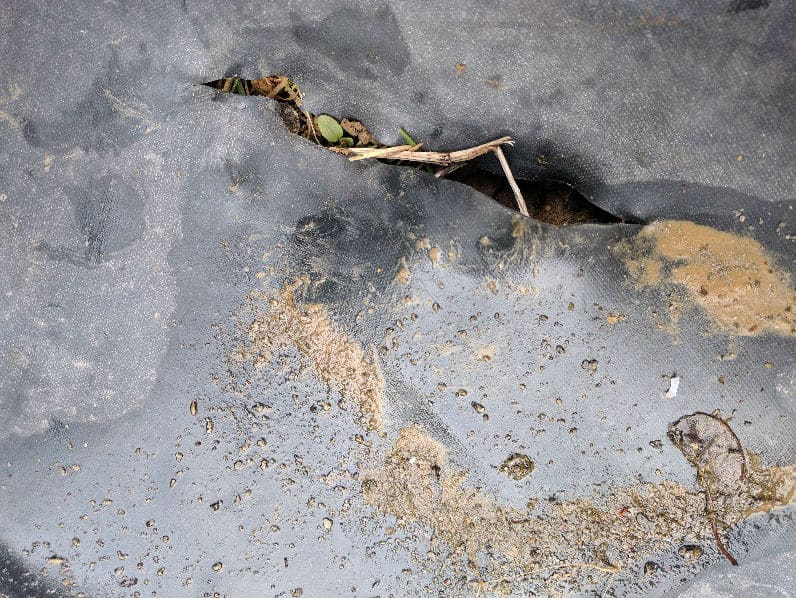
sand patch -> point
(277, 322)
(576, 543)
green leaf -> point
(238, 88)
(407, 137)
(329, 128)
(346, 142)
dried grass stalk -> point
(366, 153)
(408, 153)
(512, 183)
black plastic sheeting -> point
(138, 208)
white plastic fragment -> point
(674, 384)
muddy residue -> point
(569, 545)
(403, 275)
(730, 276)
(276, 321)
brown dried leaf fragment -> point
(358, 131)
(711, 446)
(277, 87)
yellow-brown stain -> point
(732, 277)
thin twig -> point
(711, 513)
(275, 91)
(720, 544)
(517, 193)
(474, 562)
(366, 153)
(442, 158)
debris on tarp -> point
(174, 423)
(272, 322)
(571, 542)
(732, 277)
(674, 384)
(711, 446)
(517, 466)
(575, 543)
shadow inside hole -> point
(550, 201)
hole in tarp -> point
(550, 201)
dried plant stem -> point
(406, 152)
(366, 153)
(517, 193)
(450, 160)
(308, 116)
(711, 514)
(278, 88)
